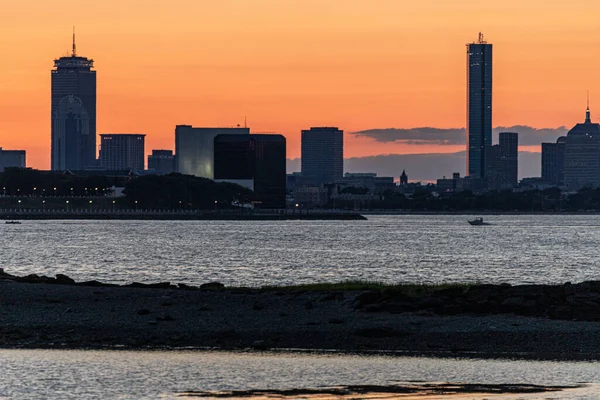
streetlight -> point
(19, 205)
(136, 207)
(90, 206)
(44, 204)
(180, 204)
(67, 202)
(215, 206)
(114, 201)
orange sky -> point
(290, 64)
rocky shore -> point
(532, 321)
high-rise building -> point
(122, 151)
(161, 161)
(479, 106)
(12, 158)
(257, 162)
(73, 116)
(582, 155)
(194, 148)
(553, 162)
(503, 162)
(322, 155)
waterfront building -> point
(367, 180)
(322, 160)
(256, 161)
(12, 158)
(161, 162)
(194, 148)
(403, 178)
(502, 165)
(122, 151)
(479, 106)
(582, 155)
(553, 162)
(73, 113)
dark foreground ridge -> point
(527, 321)
(365, 391)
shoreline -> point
(455, 321)
(174, 216)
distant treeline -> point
(552, 199)
(146, 192)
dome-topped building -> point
(582, 155)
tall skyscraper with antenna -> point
(73, 130)
(479, 106)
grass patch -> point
(407, 289)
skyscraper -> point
(194, 148)
(123, 151)
(322, 155)
(73, 98)
(256, 162)
(479, 106)
(553, 162)
(503, 162)
(582, 155)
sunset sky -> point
(287, 65)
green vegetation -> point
(551, 199)
(26, 188)
(184, 191)
(407, 289)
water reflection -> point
(58, 374)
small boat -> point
(478, 221)
(13, 222)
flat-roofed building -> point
(194, 148)
(122, 151)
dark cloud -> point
(424, 167)
(528, 136)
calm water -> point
(57, 374)
(515, 249)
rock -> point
(369, 297)
(34, 278)
(186, 287)
(519, 305)
(96, 284)
(429, 302)
(137, 285)
(586, 311)
(381, 332)
(212, 286)
(161, 285)
(563, 312)
(64, 279)
(260, 345)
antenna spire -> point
(74, 54)
(588, 118)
